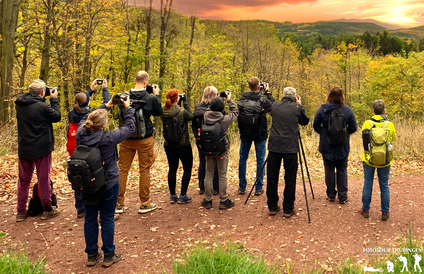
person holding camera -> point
(209, 93)
(91, 132)
(177, 143)
(35, 145)
(214, 116)
(287, 115)
(80, 109)
(253, 126)
(140, 142)
(335, 122)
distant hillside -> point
(378, 23)
(417, 33)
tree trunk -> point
(45, 52)
(9, 20)
(148, 16)
(189, 85)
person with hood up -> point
(335, 155)
(35, 145)
(91, 133)
(213, 115)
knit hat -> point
(87, 101)
(217, 104)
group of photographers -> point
(135, 135)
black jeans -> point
(174, 155)
(273, 172)
(341, 167)
(202, 172)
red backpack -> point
(71, 145)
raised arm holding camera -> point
(35, 145)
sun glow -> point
(396, 15)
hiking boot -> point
(184, 199)
(215, 192)
(92, 259)
(365, 213)
(147, 208)
(226, 204)
(20, 217)
(173, 199)
(241, 192)
(259, 193)
(343, 201)
(202, 192)
(119, 209)
(384, 216)
(110, 260)
(206, 204)
(50, 214)
(288, 215)
(81, 214)
(331, 199)
(274, 212)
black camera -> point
(99, 82)
(149, 89)
(49, 90)
(223, 94)
(262, 86)
(116, 99)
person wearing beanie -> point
(80, 109)
(214, 115)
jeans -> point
(273, 173)
(222, 162)
(79, 205)
(106, 207)
(174, 155)
(202, 172)
(330, 177)
(383, 180)
(260, 150)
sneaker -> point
(215, 192)
(20, 217)
(173, 199)
(116, 217)
(274, 212)
(365, 213)
(241, 192)
(384, 216)
(331, 199)
(184, 199)
(202, 192)
(288, 215)
(110, 260)
(119, 209)
(226, 204)
(147, 208)
(206, 204)
(92, 259)
(50, 214)
(81, 214)
(259, 193)
(343, 201)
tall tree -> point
(148, 18)
(45, 52)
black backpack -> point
(337, 129)
(212, 141)
(197, 121)
(173, 132)
(250, 116)
(140, 122)
(35, 207)
(85, 169)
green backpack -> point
(381, 151)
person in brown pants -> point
(140, 142)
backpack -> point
(85, 169)
(379, 153)
(35, 207)
(173, 132)
(249, 119)
(212, 141)
(72, 143)
(337, 129)
(140, 123)
(197, 122)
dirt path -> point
(150, 242)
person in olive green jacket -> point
(182, 149)
(383, 171)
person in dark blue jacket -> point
(334, 156)
(90, 132)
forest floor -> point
(151, 242)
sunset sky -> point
(403, 13)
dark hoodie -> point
(184, 116)
(214, 116)
(333, 152)
(35, 130)
(76, 117)
(108, 146)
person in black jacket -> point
(257, 134)
(143, 146)
(35, 144)
(283, 143)
(334, 156)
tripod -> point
(256, 181)
(306, 165)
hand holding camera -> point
(51, 91)
(264, 87)
(104, 83)
(298, 100)
(226, 94)
(121, 98)
(182, 97)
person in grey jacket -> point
(214, 114)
